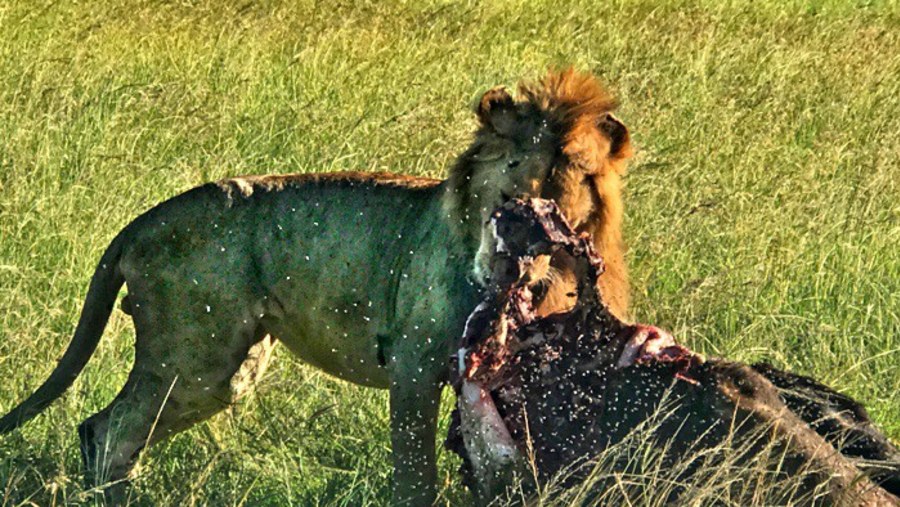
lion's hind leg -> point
(253, 367)
(183, 374)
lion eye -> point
(513, 163)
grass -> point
(763, 214)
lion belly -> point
(347, 351)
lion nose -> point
(527, 190)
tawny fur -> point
(362, 275)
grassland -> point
(763, 204)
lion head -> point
(557, 140)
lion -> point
(369, 277)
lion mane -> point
(593, 150)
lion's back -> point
(258, 226)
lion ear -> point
(619, 139)
(496, 110)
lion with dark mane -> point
(367, 276)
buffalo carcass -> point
(544, 400)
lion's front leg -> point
(415, 401)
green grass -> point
(762, 207)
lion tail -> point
(98, 305)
